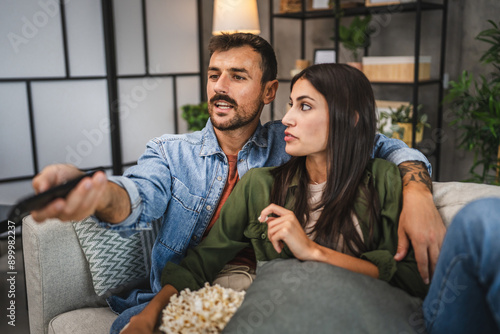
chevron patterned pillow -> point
(114, 261)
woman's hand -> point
(138, 325)
(286, 228)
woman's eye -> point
(305, 107)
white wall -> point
(70, 118)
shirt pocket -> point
(264, 250)
(182, 216)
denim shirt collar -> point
(210, 144)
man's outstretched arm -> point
(420, 222)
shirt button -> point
(241, 160)
(263, 236)
(194, 237)
(219, 178)
(209, 207)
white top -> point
(314, 197)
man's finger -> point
(403, 246)
(422, 258)
(53, 209)
(433, 257)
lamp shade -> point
(231, 16)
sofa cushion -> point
(114, 261)
(291, 296)
(83, 321)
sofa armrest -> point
(57, 273)
(450, 197)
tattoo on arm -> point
(415, 171)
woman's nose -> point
(288, 118)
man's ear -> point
(270, 91)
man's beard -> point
(241, 116)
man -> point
(183, 180)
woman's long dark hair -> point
(350, 143)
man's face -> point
(234, 89)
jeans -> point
(464, 296)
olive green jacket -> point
(238, 227)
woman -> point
(331, 202)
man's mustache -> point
(221, 97)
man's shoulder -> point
(274, 126)
(194, 138)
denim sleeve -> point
(396, 151)
(148, 187)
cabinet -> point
(431, 146)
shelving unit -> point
(417, 8)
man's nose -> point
(222, 84)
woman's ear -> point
(270, 91)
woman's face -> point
(306, 121)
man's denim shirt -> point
(179, 179)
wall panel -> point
(172, 31)
(72, 123)
(15, 137)
(85, 38)
(31, 40)
(146, 111)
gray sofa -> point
(61, 297)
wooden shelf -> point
(362, 10)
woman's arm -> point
(286, 228)
(330, 256)
(146, 321)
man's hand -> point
(89, 196)
(420, 222)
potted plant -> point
(475, 103)
(356, 36)
(401, 123)
(196, 115)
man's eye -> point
(237, 77)
(213, 76)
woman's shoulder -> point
(380, 167)
(259, 173)
(383, 174)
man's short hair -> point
(268, 64)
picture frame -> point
(384, 127)
(322, 56)
(320, 4)
(372, 3)
(295, 6)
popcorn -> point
(207, 310)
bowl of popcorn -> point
(207, 310)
